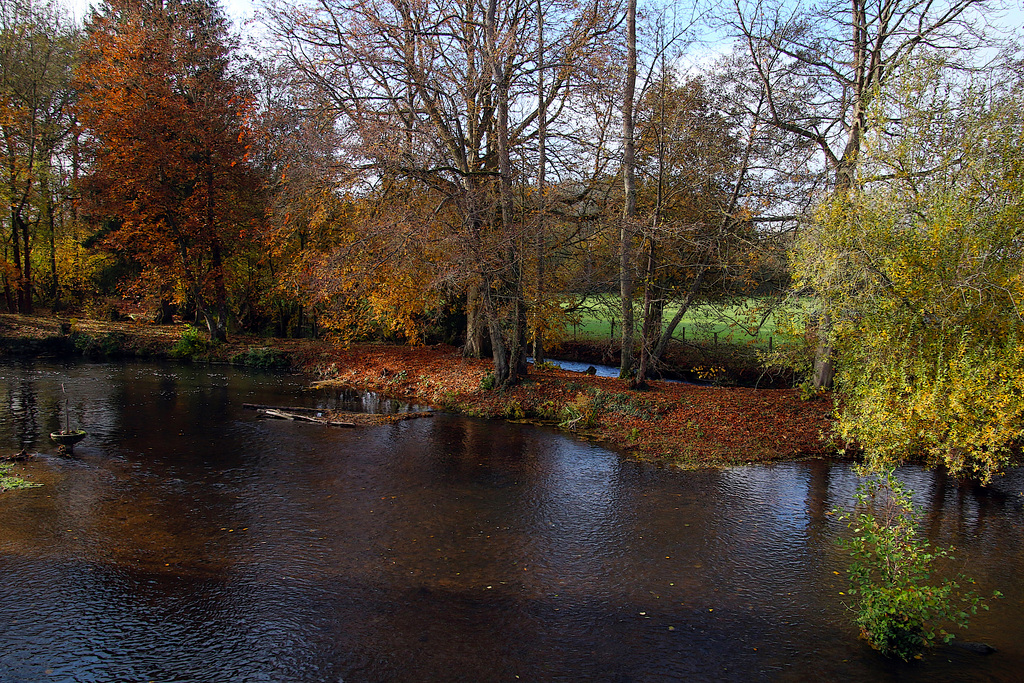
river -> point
(190, 540)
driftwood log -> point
(284, 415)
(334, 418)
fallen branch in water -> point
(334, 418)
(282, 415)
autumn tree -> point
(430, 94)
(170, 187)
(920, 268)
(37, 51)
(294, 153)
(691, 177)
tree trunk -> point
(219, 328)
(651, 327)
(28, 304)
(474, 347)
(626, 279)
(541, 238)
(502, 369)
(650, 331)
(218, 331)
(516, 347)
(9, 295)
(846, 179)
(54, 293)
(165, 316)
(16, 265)
(824, 364)
(23, 297)
(824, 352)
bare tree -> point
(424, 92)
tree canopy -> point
(920, 268)
(169, 186)
(37, 49)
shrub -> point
(488, 381)
(513, 410)
(900, 610)
(548, 410)
(191, 343)
(84, 343)
(262, 357)
(582, 411)
(955, 401)
(113, 344)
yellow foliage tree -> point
(919, 266)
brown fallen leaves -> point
(679, 423)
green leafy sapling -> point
(901, 610)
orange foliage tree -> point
(170, 188)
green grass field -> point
(746, 323)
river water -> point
(190, 540)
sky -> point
(241, 10)
(237, 10)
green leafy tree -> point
(901, 609)
(821, 66)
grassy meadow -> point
(749, 322)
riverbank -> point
(681, 424)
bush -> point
(900, 610)
(582, 411)
(113, 344)
(110, 344)
(191, 343)
(513, 410)
(955, 401)
(488, 381)
(262, 358)
(83, 343)
(548, 410)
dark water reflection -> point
(189, 540)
